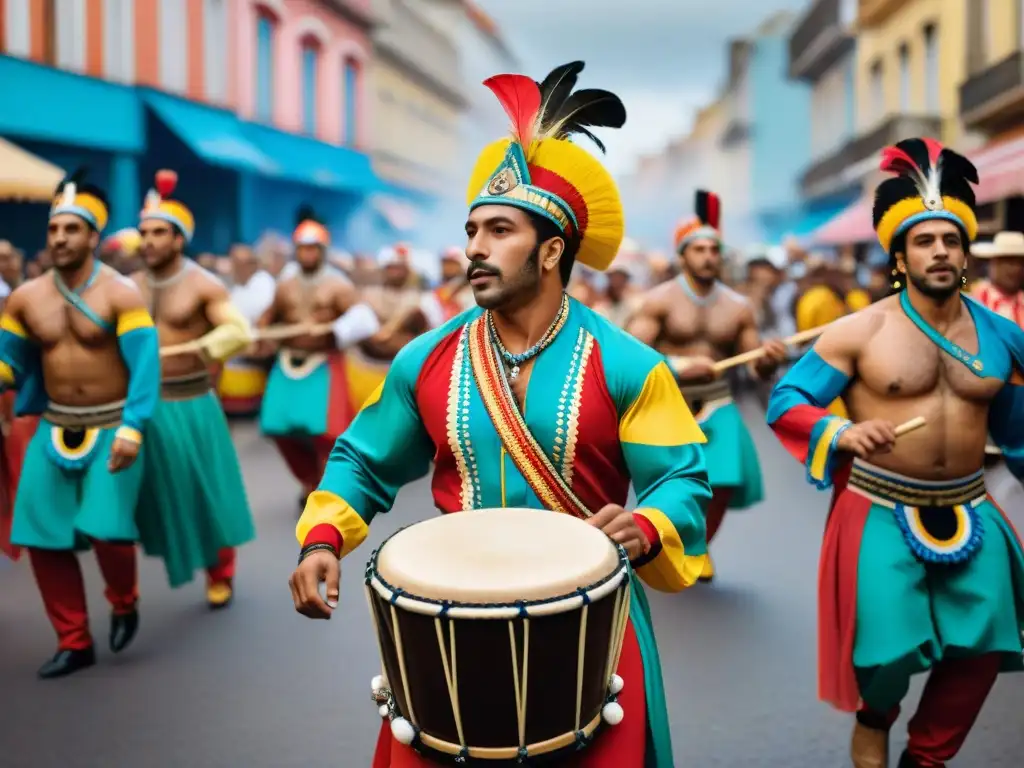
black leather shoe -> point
(65, 663)
(123, 627)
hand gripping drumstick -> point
(756, 354)
(276, 332)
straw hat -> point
(1004, 244)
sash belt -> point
(185, 387)
(84, 416)
(899, 489)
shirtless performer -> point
(920, 570)
(695, 320)
(313, 391)
(17, 431)
(194, 507)
(79, 346)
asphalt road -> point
(258, 686)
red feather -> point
(714, 210)
(519, 95)
(934, 150)
(895, 160)
(166, 181)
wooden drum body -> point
(500, 632)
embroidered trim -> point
(568, 421)
(956, 548)
(458, 426)
(519, 442)
(297, 365)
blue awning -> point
(216, 136)
(308, 161)
(802, 220)
(49, 105)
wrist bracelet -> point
(311, 548)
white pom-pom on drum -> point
(403, 731)
(611, 713)
(615, 685)
(384, 710)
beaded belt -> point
(185, 387)
(890, 488)
(84, 416)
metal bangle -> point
(311, 548)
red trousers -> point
(619, 746)
(224, 570)
(59, 577)
(716, 510)
(306, 457)
(953, 696)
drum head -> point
(488, 556)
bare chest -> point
(177, 307)
(52, 322)
(716, 324)
(303, 301)
(906, 364)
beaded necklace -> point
(513, 362)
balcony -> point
(836, 170)
(993, 99)
(359, 12)
(821, 39)
(872, 13)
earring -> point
(963, 279)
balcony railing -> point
(871, 13)
(994, 96)
(820, 39)
(828, 172)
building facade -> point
(823, 54)
(259, 105)
(418, 101)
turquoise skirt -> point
(67, 495)
(193, 503)
(297, 399)
(731, 457)
(911, 615)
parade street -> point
(258, 686)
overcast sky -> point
(665, 58)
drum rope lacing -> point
(405, 729)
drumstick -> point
(756, 354)
(276, 332)
(910, 426)
(993, 450)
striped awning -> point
(1000, 167)
(23, 176)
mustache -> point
(477, 270)
(941, 268)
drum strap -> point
(527, 454)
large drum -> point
(500, 632)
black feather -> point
(589, 108)
(557, 87)
(701, 206)
(306, 213)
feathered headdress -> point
(705, 222)
(541, 171)
(931, 182)
(76, 196)
(161, 207)
(309, 230)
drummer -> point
(697, 321)
(604, 409)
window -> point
(265, 67)
(1020, 23)
(931, 70)
(67, 21)
(877, 90)
(119, 40)
(351, 101)
(17, 39)
(977, 35)
(847, 12)
(904, 78)
(310, 62)
(215, 32)
(173, 44)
